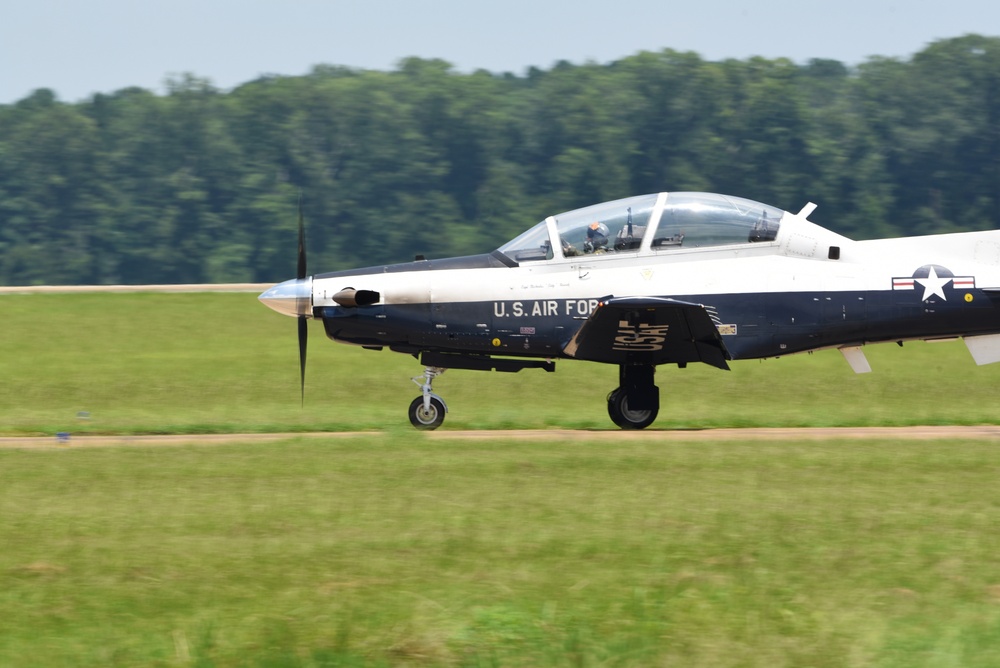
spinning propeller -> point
(294, 298)
(303, 326)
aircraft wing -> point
(649, 330)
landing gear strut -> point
(427, 411)
(635, 403)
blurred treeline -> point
(200, 185)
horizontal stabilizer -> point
(984, 349)
(649, 330)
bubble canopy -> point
(671, 221)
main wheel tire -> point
(620, 414)
(428, 419)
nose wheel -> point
(427, 417)
(428, 410)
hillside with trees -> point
(201, 185)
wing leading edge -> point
(649, 330)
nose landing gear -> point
(428, 410)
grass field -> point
(399, 549)
(383, 550)
(195, 363)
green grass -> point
(390, 550)
(190, 363)
(398, 549)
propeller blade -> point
(303, 325)
(302, 244)
(303, 339)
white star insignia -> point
(933, 285)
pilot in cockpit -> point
(597, 238)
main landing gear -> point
(635, 403)
(427, 411)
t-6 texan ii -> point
(668, 278)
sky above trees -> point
(79, 48)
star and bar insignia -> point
(933, 278)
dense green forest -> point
(202, 185)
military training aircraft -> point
(668, 278)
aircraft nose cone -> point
(292, 297)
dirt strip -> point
(983, 432)
(753, 434)
(83, 441)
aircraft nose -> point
(292, 297)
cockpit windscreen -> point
(688, 220)
(610, 227)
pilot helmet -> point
(597, 236)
